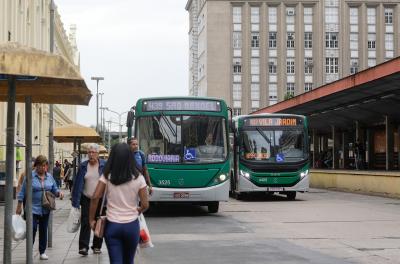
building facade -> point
(28, 23)
(256, 53)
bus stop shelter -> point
(31, 76)
(364, 106)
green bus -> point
(185, 141)
(271, 154)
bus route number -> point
(164, 182)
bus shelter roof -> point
(75, 132)
(45, 77)
(365, 97)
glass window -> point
(290, 40)
(237, 40)
(308, 15)
(353, 66)
(371, 16)
(290, 88)
(331, 65)
(353, 15)
(237, 91)
(354, 41)
(175, 139)
(308, 40)
(331, 15)
(290, 66)
(308, 65)
(255, 15)
(272, 66)
(290, 15)
(371, 41)
(331, 39)
(237, 14)
(255, 40)
(237, 111)
(272, 40)
(388, 16)
(308, 87)
(255, 91)
(272, 15)
(389, 42)
(255, 66)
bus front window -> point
(273, 145)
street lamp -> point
(101, 115)
(119, 118)
(97, 79)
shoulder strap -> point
(104, 198)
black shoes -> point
(83, 251)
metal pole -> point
(109, 136)
(97, 106)
(51, 127)
(28, 179)
(10, 163)
(120, 128)
(74, 161)
(101, 116)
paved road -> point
(320, 227)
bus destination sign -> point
(272, 121)
(181, 105)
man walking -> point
(140, 161)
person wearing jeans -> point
(123, 186)
(83, 188)
(41, 181)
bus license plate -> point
(275, 189)
(180, 195)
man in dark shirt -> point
(140, 161)
(57, 174)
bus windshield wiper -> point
(263, 135)
(174, 133)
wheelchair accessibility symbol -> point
(280, 157)
(190, 154)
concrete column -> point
(335, 149)
(315, 140)
(345, 149)
(389, 143)
(324, 143)
(370, 148)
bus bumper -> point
(247, 186)
(218, 192)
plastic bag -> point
(18, 227)
(145, 239)
(74, 220)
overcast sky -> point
(139, 47)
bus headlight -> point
(245, 174)
(303, 174)
(220, 178)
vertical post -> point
(389, 143)
(120, 128)
(345, 149)
(51, 128)
(10, 163)
(97, 105)
(28, 179)
(315, 148)
(370, 149)
(335, 160)
(74, 160)
(101, 117)
(109, 136)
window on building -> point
(290, 66)
(272, 40)
(389, 42)
(353, 66)
(308, 40)
(273, 91)
(255, 40)
(255, 15)
(237, 68)
(308, 15)
(331, 65)
(371, 16)
(331, 40)
(331, 15)
(272, 15)
(308, 65)
(371, 41)
(290, 15)
(237, 40)
(290, 40)
(237, 92)
(255, 91)
(388, 16)
(255, 66)
(353, 16)
(308, 87)
(371, 62)
(237, 111)
(354, 41)
(272, 66)
(237, 14)
(290, 88)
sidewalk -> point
(65, 245)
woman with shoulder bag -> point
(122, 188)
(42, 182)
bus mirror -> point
(130, 117)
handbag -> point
(101, 220)
(48, 199)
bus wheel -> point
(213, 207)
(291, 196)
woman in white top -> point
(124, 188)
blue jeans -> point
(43, 222)
(122, 241)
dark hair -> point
(120, 164)
(129, 141)
(40, 160)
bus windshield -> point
(273, 144)
(183, 139)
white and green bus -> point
(271, 154)
(185, 141)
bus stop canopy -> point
(75, 132)
(365, 97)
(45, 77)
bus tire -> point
(291, 196)
(213, 207)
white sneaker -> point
(44, 256)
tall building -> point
(260, 52)
(28, 23)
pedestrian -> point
(41, 181)
(84, 184)
(124, 186)
(140, 161)
(68, 178)
(57, 174)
